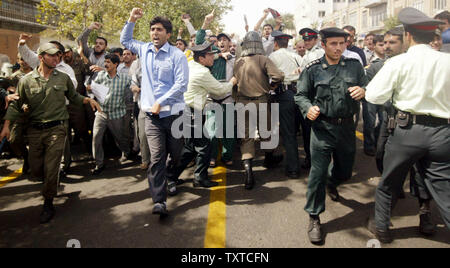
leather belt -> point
(337, 121)
(42, 126)
(429, 120)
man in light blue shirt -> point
(165, 77)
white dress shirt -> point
(417, 82)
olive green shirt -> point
(46, 99)
(326, 86)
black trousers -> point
(165, 152)
(429, 148)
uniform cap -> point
(279, 34)
(308, 33)
(333, 32)
(47, 48)
(417, 20)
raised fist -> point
(95, 26)
(136, 14)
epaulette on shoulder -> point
(314, 62)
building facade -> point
(16, 17)
(370, 15)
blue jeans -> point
(371, 128)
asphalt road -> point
(114, 210)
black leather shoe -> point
(333, 193)
(384, 236)
(160, 209)
(426, 226)
(48, 212)
(97, 170)
(315, 231)
(249, 181)
(205, 183)
(271, 160)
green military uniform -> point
(46, 116)
(333, 133)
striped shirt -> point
(114, 105)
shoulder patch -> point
(314, 62)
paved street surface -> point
(114, 210)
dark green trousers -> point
(46, 151)
(329, 142)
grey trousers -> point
(429, 148)
(139, 129)
(116, 126)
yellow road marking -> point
(10, 177)
(216, 227)
(359, 135)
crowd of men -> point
(136, 94)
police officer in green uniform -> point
(42, 102)
(329, 90)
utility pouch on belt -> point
(403, 119)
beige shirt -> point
(254, 74)
(202, 83)
(288, 62)
(417, 81)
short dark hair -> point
(378, 38)
(184, 42)
(59, 45)
(443, 16)
(102, 38)
(369, 34)
(349, 28)
(113, 58)
(282, 42)
(166, 23)
(270, 25)
(116, 50)
(420, 37)
(396, 32)
(197, 55)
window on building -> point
(419, 4)
(440, 4)
(321, 14)
(378, 15)
(353, 19)
(337, 1)
(364, 19)
(321, 1)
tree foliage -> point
(70, 17)
(391, 23)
